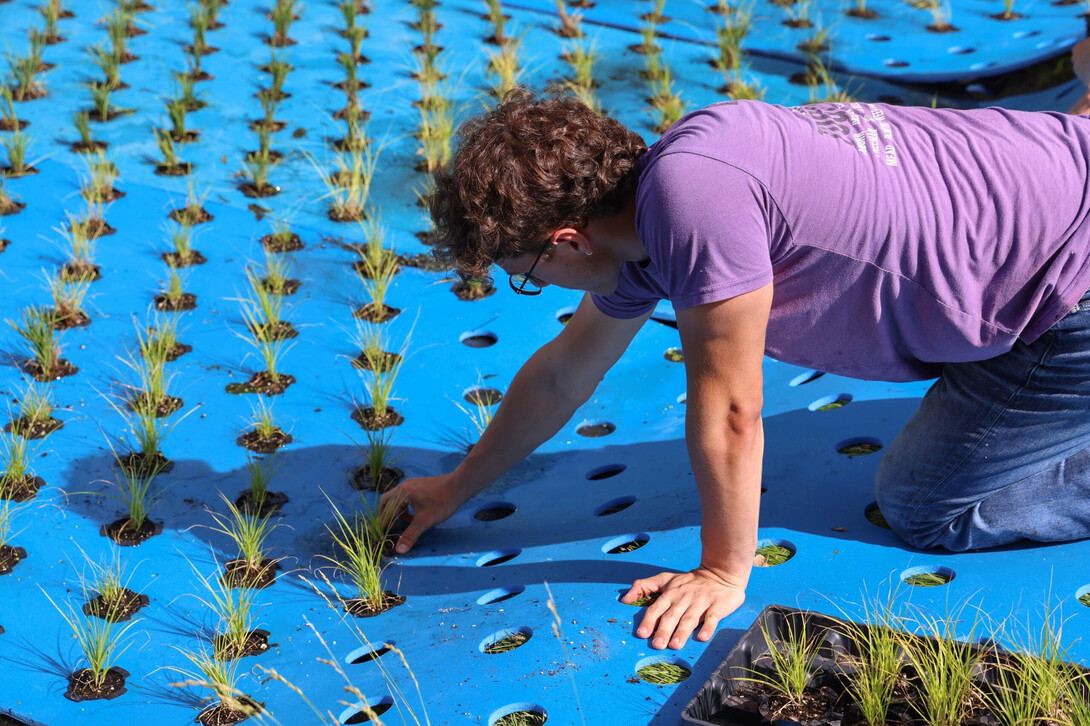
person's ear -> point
(575, 239)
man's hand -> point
(433, 499)
(684, 601)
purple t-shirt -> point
(896, 239)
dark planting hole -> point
(615, 505)
(858, 447)
(874, 516)
(674, 355)
(770, 554)
(498, 558)
(507, 641)
(522, 718)
(626, 544)
(927, 576)
(483, 396)
(595, 429)
(493, 512)
(605, 472)
(362, 717)
(478, 339)
(370, 655)
(500, 595)
(663, 673)
(808, 377)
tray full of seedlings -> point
(801, 667)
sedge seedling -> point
(118, 27)
(176, 112)
(494, 14)
(282, 15)
(15, 457)
(277, 279)
(186, 90)
(358, 557)
(25, 71)
(504, 65)
(38, 329)
(102, 173)
(173, 292)
(168, 148)
(263, 420)
(570, 23)
(9, 119)
(249, 531)
(159, 342)
(17, 144)
(102, 641)
(235, 610)
(876, 669)
(136, 491)
(792, 658)
(220, 677)
(260, 471)
(152, 381)
(350, 186)
(108, 63)
(36, 405)
(270, 348)
(377, 454)
(944, 668)
(257, 166)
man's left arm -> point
(723, 344)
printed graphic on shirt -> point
(862, 125)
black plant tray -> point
(717, 703)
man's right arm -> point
(559, 378)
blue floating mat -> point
(896, 44)
(573, 501)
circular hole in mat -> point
(498, 557)
(878, 38)
(500, 594)
(482, 396)
(625, 543)
(518, 714)
(661, 671)
(605, 472)
(960, 50)
(803, 378)
(614, 505)
(505, 641)
(595, 429)
(478, 338)
(563, 315)
(859, 446)
(772, 552)
(927, 576)
(874, 516)
(357, 712)
(1083, 595)
(895, 63)
(369, 653)
(495, 510)
(674, 355)
(1026, 34)
(983, 66)
(828, 403)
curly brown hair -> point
(527, 167)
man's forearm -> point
(726, 453)
(535, 407)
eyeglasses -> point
(526, 283)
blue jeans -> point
(999, 450)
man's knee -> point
(898, 499)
